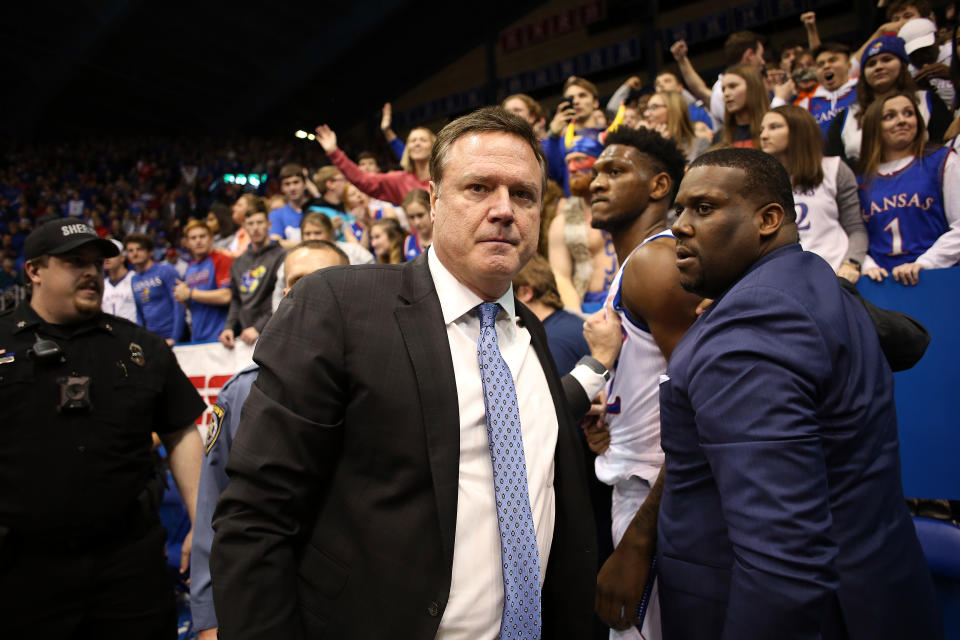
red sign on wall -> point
(549, 27)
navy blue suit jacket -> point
(783, 514)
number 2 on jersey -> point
(802, 223)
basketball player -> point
(637, 177)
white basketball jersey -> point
(633, 397)
(818, 217)
(118, 298)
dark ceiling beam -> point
(50, 72)
(301, 64)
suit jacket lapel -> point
(421, 324)
(574, 545)
(538, 339)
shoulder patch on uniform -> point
(214, 432)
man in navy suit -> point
(782, 514)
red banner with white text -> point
(209, 365)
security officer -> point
(81, 391)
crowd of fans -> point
(865, 129)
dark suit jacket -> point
(783, 514)
(340, 515)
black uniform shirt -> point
(77, 471)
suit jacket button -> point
(434, 609)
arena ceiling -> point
(129, 67)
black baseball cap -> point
(59, 236)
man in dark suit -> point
(365, 496)
(782, 513)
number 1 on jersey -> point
(896, 240)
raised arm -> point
(809, 20)
(691, 78)
(620, 95)
(384, 186)
(886, 28)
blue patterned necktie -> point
(518, 539)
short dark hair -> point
(738, 43)
(669, 72)
(832, 47)
(922, 7)
(487, 119)
(255, 205)
(664, 155)
(765, 177)
(367, 155)
(291, 170)
(141, 239)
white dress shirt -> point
(475, 606)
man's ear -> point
(660, 186)
(770, 218)
(434, 194)
(31, 268)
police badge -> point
(214, 430)
(136, 355)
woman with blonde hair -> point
(416, 207)
(909, 195)
(824, 189)
(666, 112)
(393, 185)
(745, 102)
(386, 241)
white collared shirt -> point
(475, 606)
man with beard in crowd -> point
(582, 257)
